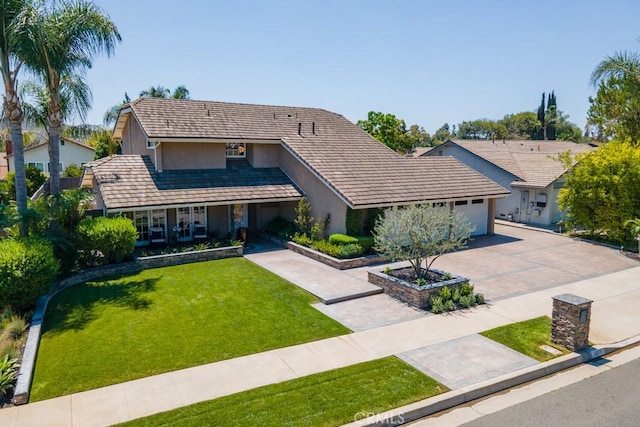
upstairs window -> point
(236, 150)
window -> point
(236, 149)
(141, 221)
(460, 202)
(39, 165)
(200, 222)
(477, 201)
(60, 169)
(182, 230)
(438, 205)
(158, 225)
(151, 145)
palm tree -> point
(11, 43)
(622, 65)
(180, 92)
(155, 92)
(65, 37)
(112, 113)
(634, 225)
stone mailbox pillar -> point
(570, 321)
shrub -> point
(302, 239)
(14, 328)
(280, 227)
(27, 269)
(480, 298)
(349, 251)
(8, 373)
(421, 281)
(303, 216)
(449, 305)
(466, 289)
(464, 302)
(72, 170)
(326, 248)
(367, 243)
(436, 305)
(342, 239)
(353, 222)
(315, 232)
(323, 226)
(106, 240)
(445, 293)
(455, 295)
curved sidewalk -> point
(616, 298)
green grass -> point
(325, 399)
(527, 337)
(109, 331)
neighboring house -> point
(189, 169)
(71, 152)
(529, 168)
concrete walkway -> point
(326, 283)
(616, 298)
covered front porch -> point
(177, 224)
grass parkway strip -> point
(329, 398)
(114, 330)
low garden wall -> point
(23, 385)
(340, 264)
(412, 294)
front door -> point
(238, 217)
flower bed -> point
(427, 296)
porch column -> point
(491, 217)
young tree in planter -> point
(420, 233)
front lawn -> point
(110, 331)
(527, 337)
(325, 399)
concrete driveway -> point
(520, 260)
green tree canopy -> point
(420, 233)
(482, 129)
(524, 125)
(389, 130)
(602, 191)
(615, 111)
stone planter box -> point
(340, 264)
(410, 293)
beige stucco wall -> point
(263, 155)
(134, 140)
(192, 155)
(323, 200)
(218, 219)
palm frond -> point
(621, 65)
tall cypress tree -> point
(551, 117)
(541, 113)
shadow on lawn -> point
(76, 307)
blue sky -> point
(427, 62)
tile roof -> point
(362, 170)
(129, 181)
(532, 162)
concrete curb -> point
(423, 408)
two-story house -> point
(532, 171)
(191, 168)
